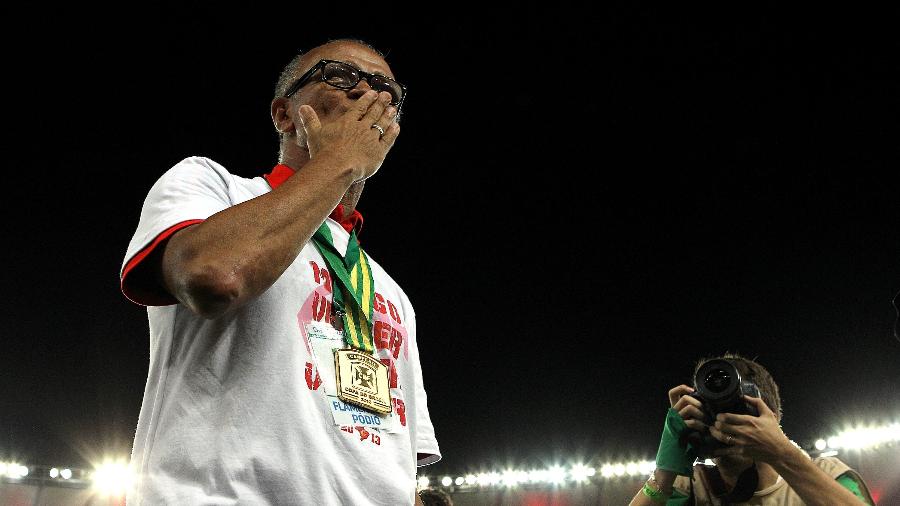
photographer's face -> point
(733, 464)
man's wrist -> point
(790, 458)
(664, 480)
(656, 491)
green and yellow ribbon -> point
(354, 298)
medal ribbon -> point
(354, 287)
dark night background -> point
(580, 205)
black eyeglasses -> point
(344, 76)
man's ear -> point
(282, 116)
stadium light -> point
(556, 475)
(580, 473)
(112, 477)
(537, 475)
(632, 469)
(13, 470)
(494, 478)
(858, 438)
(509, 478)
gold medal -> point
(362, 380)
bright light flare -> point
(821, 444)
(423, 482)
(537, 475)
(459, 480)
(66, 473)
(54, 472)
(446, 481)
(112, 477)
(556, 475)
(865, 437)
(512, 477)
(580, 473)
(13, 470)
(487, 479)
(635, 468)
(632, 469)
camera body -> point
(719, 386)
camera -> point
(719, 386)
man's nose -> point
(361, 87)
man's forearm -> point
(238, 253)
(811, 483)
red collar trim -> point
(282, 172)
(354, 221)
(278, 175)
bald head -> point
(304, 60)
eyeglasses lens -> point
(345, 76)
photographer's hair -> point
(750, 370)
(435, 497)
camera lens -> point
(717, 380)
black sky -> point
(581, 204)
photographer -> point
(732, 415)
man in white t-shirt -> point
(255, 287)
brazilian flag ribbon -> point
(354, 287)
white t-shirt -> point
(235, 409)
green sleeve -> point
(851, 484)
(677, 499)
(671, 456)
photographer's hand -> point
(690, 408)
(686, 413)
(759, 437)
